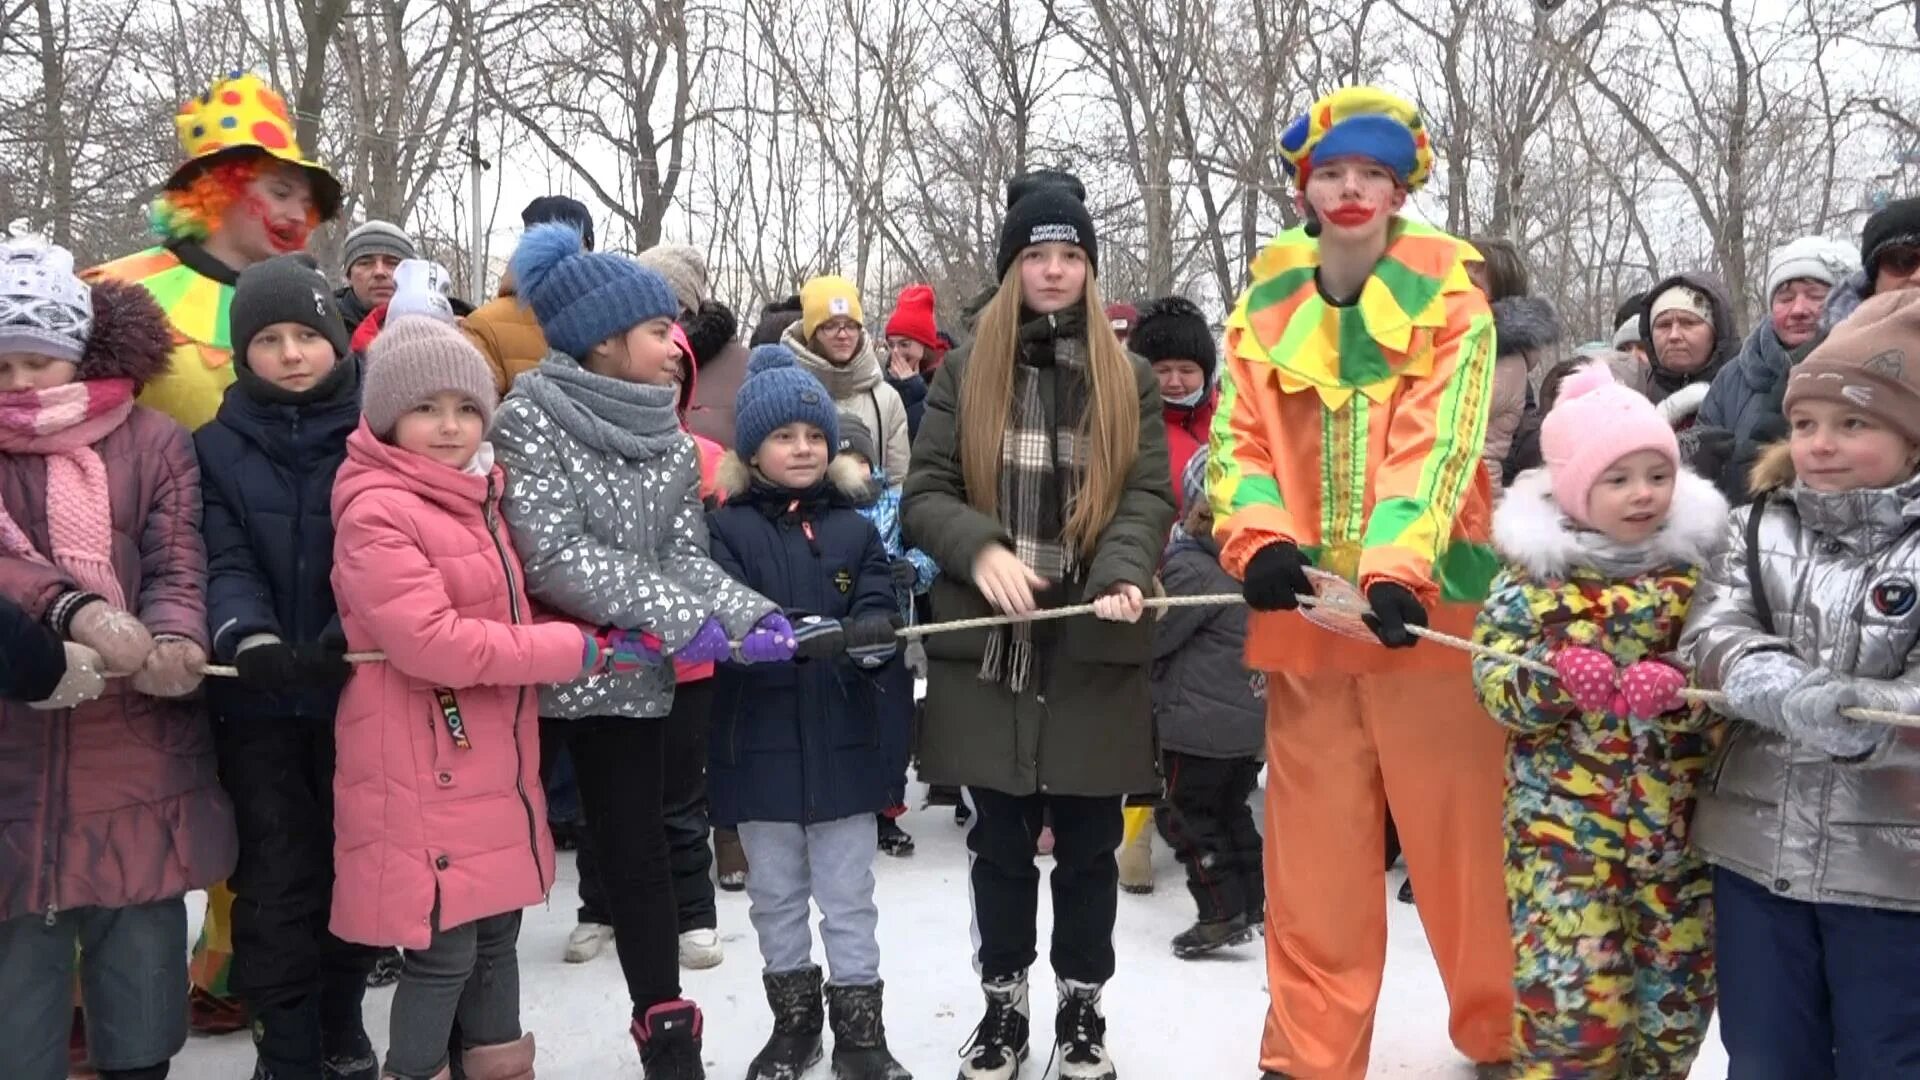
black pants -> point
(296, 978)
(1006, 882)
(621, 765)
(1207, 822)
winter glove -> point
(1652, 688)
(611, 651)
(709, 644)
(264, 662)
(817, 637)
(905, 574)
(123, 644)
(1811, 712)
(1588, 677)
(324, 663)
(84, 681)
(1396, 611)
(172, 669)
(1276, 578)
(1757, 683)
(873, 639)
(771, 641)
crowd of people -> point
(350, 603)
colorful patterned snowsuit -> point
(1611, 912)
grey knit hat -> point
(44, 308)
(286, 288)
(378, 238)
(685, 270)
(414, 358)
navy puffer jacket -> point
(805, 742)
(266, 482)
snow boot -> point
(286, 1041)
(669, 1040)
(700, 949)
(501, 1061)
(348, 1055)
(386, 970)
(794, 1046)
(1136, 863)
(894, 840)
(586, 941)
(1208, 935)
(999, 1044)
(1080, 1033)
(1406, 892)
(859, 1035)
(730, 860)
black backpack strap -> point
(1756, 584)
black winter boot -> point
(286, 1041)
(1208, 935)
(894, 840)
(348, 1055)
(386, 970)
(1080, 1033)
(669, 1040)
(999, 1044)
(860, 1036)
(345, 1051)
(794, 1046)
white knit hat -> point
(1815, 258)
(44, 308)
(420, 288)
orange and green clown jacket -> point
(1355, 433)
(195, 290)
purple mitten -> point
(708, 645)
(771, 641)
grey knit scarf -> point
(634, 420)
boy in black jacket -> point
(32, 661)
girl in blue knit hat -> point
(603, 499)
(798, 758)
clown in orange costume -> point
(1348, 440)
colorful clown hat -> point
(242, 115)
(1360, 121)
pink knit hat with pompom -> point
(1594, 423)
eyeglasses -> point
(841, 328)
(1902, 260)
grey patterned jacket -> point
(603, 499)
(1840, 573)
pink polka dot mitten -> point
(1652, 688)
(1588, 677)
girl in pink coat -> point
(440, 823)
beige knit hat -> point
(685, 270)
(1871, 362)
(414, 358)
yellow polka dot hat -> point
(242, 115)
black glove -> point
(324, 663)
(1395, 612)
(271, 666)
(873, 639)
(817, 637)
(1276, 578)
(905, 574)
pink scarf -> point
(62, 424)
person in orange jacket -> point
(1346, 449)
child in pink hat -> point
(1604, 547)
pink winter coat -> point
(115, 802)
(425, 572)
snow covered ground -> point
(1168, 1019)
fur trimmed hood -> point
(1772, 470)
(734, 479)
(1524, 324)
(1530, 531)
(131, 338)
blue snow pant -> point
(1815, 991)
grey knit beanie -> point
(414, 358)
(685, 270)
(378, 238)
(286, 288)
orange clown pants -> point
(1340, 749)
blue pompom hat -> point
(582, 298)
(778, 392)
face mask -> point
(1190, 400)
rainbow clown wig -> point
(1365, 122)
(229, 135)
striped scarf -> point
(1042, 465)
(62, 424)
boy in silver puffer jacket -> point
(1811, 818)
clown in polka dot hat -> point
(239, 117)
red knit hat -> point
(913, 317)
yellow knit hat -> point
(828, 297)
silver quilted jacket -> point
(614, 540)
(1840, 573)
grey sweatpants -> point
(470, 973)
(133, 980)
(831, 864)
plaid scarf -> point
(1042, 464)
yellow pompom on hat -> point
(239, 116)
(1360, 121)
(828, 297)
